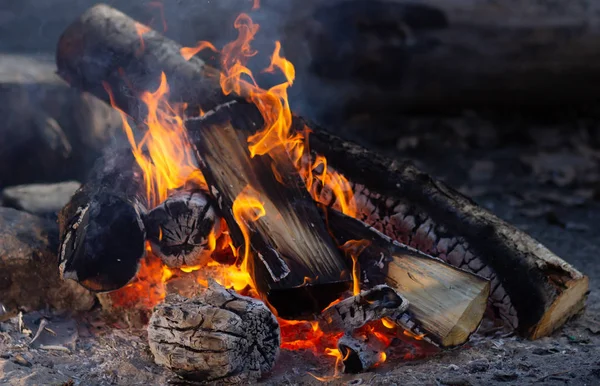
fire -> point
(165, 157)
(164, 153)
(354, 248)
(247, 208)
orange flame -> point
(190, 52)
(354, 248)
(141, 30)
(164, 153)
(247, 208)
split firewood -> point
(445, 304)
(217, 336)
(181, 228)
(289, 240)
(102, 234)
(532, 289)
(358, 355)
(354, 312)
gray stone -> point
(29, 277)
(39, 198)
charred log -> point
(445, 304)
(358, 355)
(181, 228)
(290, 243)
(217, 336)
(532, 289)
(102, 234)
(104, 47)
(373, 304)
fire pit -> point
(234, 229)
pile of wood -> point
(443, 259)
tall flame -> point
(247, 208)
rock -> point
(29, 278)
(40, 199)
(20, 360)
(505, 376)
(478, 366)
(50, 132)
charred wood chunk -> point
(217, 336)
(532, 288)
(102, 234)
(358, 355)
(184, 228)
(370, 305)
(290, 242)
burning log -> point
(288, 236)
(357, 355)
(102, 235)
(217, 336)
(445, 304)
(373, 304)
(105, 47)
(181, 229)
(532, 289)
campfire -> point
(236, 229)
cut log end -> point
(181, 229)
(568, 304)
(217, 336)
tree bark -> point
(218, 336)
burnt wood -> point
(358, 355)
(218, 336)
(294, 261)
(102, 234)
(445, 304)
(533, 290)
(179, 229)
(106, 47)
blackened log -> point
(181, 228)
(532, 289)
(358, 355)
(294, 261)
(104, 46)
(370, 305)
(218, 336)
(445, 304)
(102, 234)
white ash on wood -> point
(358, 355)
(218, 336)
(182, 228)
(354, 312)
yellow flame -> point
(247, 208)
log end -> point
(568, 304)
(182, 228)
(470, 320)
(217, 336)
